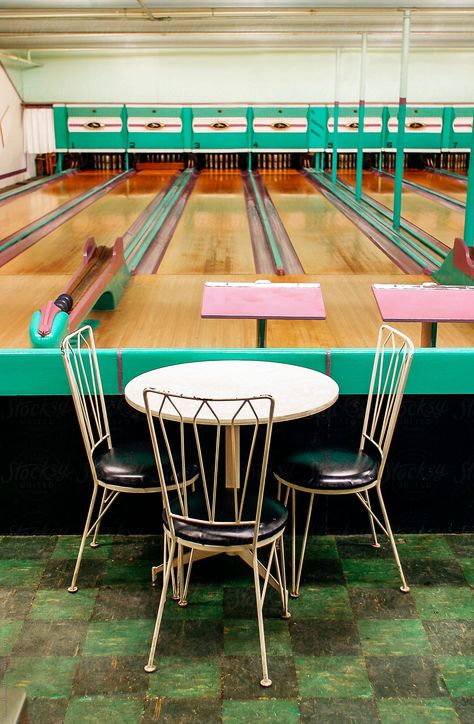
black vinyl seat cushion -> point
(272, 521)
(132, 465)
(331, 468)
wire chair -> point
(340, 471)
(228, 511)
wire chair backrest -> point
(393, 357)
(228, 439)
(82, 369)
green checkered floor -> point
(355, 649)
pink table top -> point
(425, 303)
(262, 300)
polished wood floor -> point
(163, 310)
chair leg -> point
(404, 588)
(265, 681)
(167, 566)
(94, 543)
(375, 543)
(296, 575)
(73, 587)
(183, 599)
(281, 575)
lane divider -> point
(26, 188)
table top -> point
(263, 300)
(297, 391)
(424, 303)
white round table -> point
(297, 391)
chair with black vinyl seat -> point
(125, 468)
(346, 471)
(228, 511)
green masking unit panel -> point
(96, 128)
(60, 127)
(423, 129)
(348, 129)
(155, 128)
(458, 125)
(280, 129)
(318, 128)
(219, 129)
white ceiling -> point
(42, 26)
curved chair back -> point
(393, 357)
(82, 369)
(230, 440)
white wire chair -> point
(125, 468)
(341, 471)
(228, 511)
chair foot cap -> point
(72, 589)
(295, 595)
(175, 597)
(285, 615)
(405, 589)
(182, 604)
(266, 683)
(149, 668)
(94, 545)
(375, 545)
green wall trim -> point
(41, 372)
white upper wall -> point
(252, 76)
(12, 157)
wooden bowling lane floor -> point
(28, 207)
(452, 187)
(325, 240)
(213, 234)
(60, 252)
(438, 220)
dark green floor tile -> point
(464, 707)
(318, 547)
(201, 637)
(137, 548)
(204, 602)
(405, 677)
(458, 673)
(47, 711)
(51, 638)
(425, 711)
(15, 603)
(332, 677)
(119, 638)
(130, 602)
(444, 602)
(360, 547)
(316, 637)
(322, 572)
(461, 545)
(241, 677)
(42, 676)
(239, 602)
(247, 712)
(383, 637)
(342, 711)
(21, 573)
(125, 573)
(382, 603)
(27, 547)
(241, 637)
(378, 573)
(424, 546)
(9, 631)
(67, 548)
(58, 574)
(454, 638)
(427, 572)
(183, 677)
(182, 711)
(467, 566)
(111, 675)
(100, 709)
(327, 602)
(54, 605)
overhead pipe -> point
(361, 118)
(402, 116)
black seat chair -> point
(342, 471)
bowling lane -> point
(325, 240)
(24, 209)
(61, 251)
(213, 235)
(454, 188)
(435, 218)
